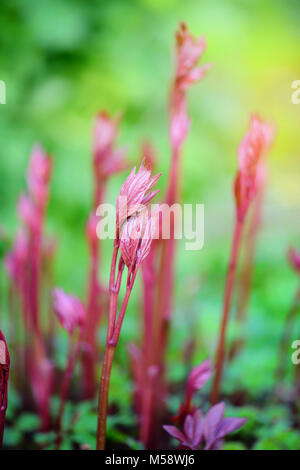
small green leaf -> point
(27, 422)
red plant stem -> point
(230, 279)
(152, 397)
(48, 279)
(36, 237)
(249, 253)
(245, 282)
(165, 284)
(99, 192)
(117, 330)
(89, 356)
(3, 400)
(108, 355)
(283, 351)
(148, 277)
(73, 353)
(111, 344)
(153, 393)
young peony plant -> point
(24, 265)
(136, 226)
(197, 378)
(108, 159)
(205, 431)
(247, 182)
(188, 53)
(71, 315)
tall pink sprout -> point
(246, 185)
(24, 265)
(71, 315)
(189, 51)
(108, 159)
(135, 227)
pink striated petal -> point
(229, 425)
(69, 310)
(174, 432)
(199, 376)
(212, 422)
(188, 427)
(134, 192)
(198, 428)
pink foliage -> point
(294, 259)
(212, 428)
(107, 158)
(69, 310)
(135, 192)
(250, 160)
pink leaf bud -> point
(135, 192)
(294, 259)
(91, 229)
(107, 159)
(29, 212)
(69, 310)
(15, 260)
(149, 154)
(39, 175)
(137, 235)
(251, 167)
(131, 234)
(198, 377)
(188, 52)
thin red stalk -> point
(286, 336)
(148, 277)
(89, 356)
(43, 403)
(165, 290)
(245, 282)
(108, 355)
(249, 253)
(73, 353)
(36, 237)
(152, 397)
(117, 329)
(4, 374)
(165, 286)
(146, 410)
(111, 344)
(99, 192)
(93, 309)
(230, 280)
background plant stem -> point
(230, 279)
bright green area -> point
(64, 61)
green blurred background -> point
(64, 61)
